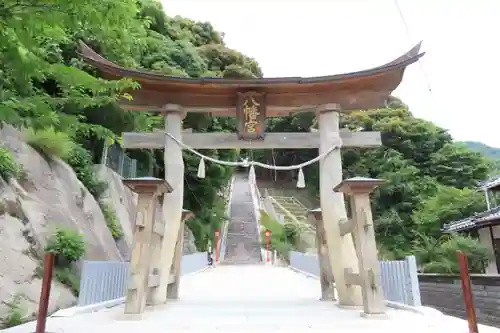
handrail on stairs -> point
(303, 226)
(257, 204)
(286, 211)
(223, 238)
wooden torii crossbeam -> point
(134, 140)
(251, 101)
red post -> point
(217, 245)
(268, 243)
(467, 292)
(43, 305)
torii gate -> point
(251, 101)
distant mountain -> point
(491, 152)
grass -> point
(50, 143)
(16, 313)
(9, 168)
(111, 220)
(64, 275)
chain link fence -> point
(115, 158)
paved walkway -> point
(250, 299)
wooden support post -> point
(148, 190)
(470, 309)
(175, 271)
(341, 250)
(43, 305)
(359, 190)
(172, 202)
(173, 288)
(156, 250)
(326, 276)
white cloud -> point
(309, 38)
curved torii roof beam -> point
(353, 91)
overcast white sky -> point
(310, 38)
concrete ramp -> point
(251, 298)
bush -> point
(81, 162)
(8, 166)
(205, 222)
(111, 220)
(276, 228)
(440, 255)
(67, 244)
(283, 238)
(16, 314)
(50, 143)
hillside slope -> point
(48, 196)
(480, 147)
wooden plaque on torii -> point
(251, 115)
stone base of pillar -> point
(377, 316)
(160, 307)
(350, 307)
(328, 295)
(131, 316)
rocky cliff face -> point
(50, 196)
(124, 201)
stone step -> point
(242, 244)
(242, 228)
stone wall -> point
(444, 292)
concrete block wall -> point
(444, 292)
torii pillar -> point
(172, 202)
(341, 252)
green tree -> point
(447, 205)
(46, 85)
(456, 165)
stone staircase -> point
(242, 242)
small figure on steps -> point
(210, 259)
(209, 254)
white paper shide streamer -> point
(201, 168)
(301, 183)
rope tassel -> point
(301, 183)
(201, 168)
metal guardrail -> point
(107, 280)
(400, 281)
(305, 262)
(115, 158)
(399, 277)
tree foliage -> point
(46, 87)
